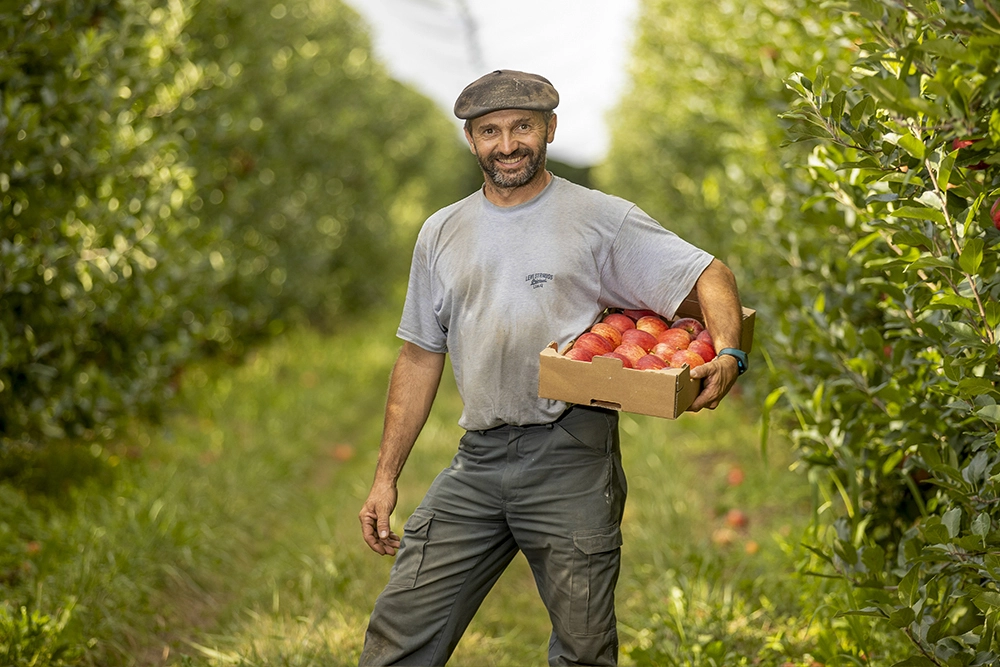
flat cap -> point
(506, 89)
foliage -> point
(314, 167)
(28, 639)
(873, 269)
(182, 178)
(89, 189)
(896, 396)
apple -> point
(651, 323)
(707, 337)
(704, 350)
(681, 357)
(650, 362)
(995, 213)
(735, 476)
(605, 330)
(636, 314)
(626, 362)
(633, 351)
(593, 343)
(737, 518)
(643, 339)
(689, 324)
(957, 144)
(619, 321)
(579, 354)
(664, 350)
(679, 339)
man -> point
(529, 259)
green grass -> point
(229, 535)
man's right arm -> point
(412, 388)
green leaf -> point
(973, 386)
(902, 617)
(952, 520)
(919, 213)
(951, 301)
(990, 413)
(914, 239)
(863, 243)
(972, 256)
(987, 601)
(981, 525)
(837, 107)
(912, 145)
(909, 586)
(915, 661)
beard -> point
(506, 179)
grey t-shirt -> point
(493, 286)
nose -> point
(508, 144)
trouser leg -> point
(455, 546)
(566, 516)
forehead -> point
(507, 117)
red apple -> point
(735, 476)
(632, 351)
(737, 518)
(995, 213)
(579, 354)
(650, 362)
(689, 324)
(609, 332)
(619, 321)
(626, 362)
(643, 339)
(707, 337)
(679, 339)
(957, 144)
(636, 314)
(704, 350)
(593, 343)
(652, 323)
(664, 350)
(681, 357)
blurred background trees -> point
(179, 179)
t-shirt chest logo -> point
(538, 280)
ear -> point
(551, 130)
(472, 143)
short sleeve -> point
(419, 323)
(650, 267)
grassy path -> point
(229, 535)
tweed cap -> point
(506, 89)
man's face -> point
(510, 145)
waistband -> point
(570, 410)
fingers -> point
(717, 381)
(374, 517)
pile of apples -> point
(643, 340)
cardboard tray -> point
(606, 383)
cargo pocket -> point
(411, 552)
(595, 572)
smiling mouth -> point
(510, 160)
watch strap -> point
(739, 355)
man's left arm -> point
(720, 305)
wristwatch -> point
(739, 355)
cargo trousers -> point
(554, 491)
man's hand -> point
(374, 518)
(719, 376)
